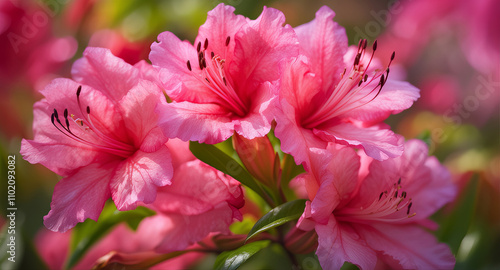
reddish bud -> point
(259, 158)
(301, 242)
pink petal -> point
(395, 97)
(137, 178)
(413, 247)
(170, 56)
(179, 150)
(148, 72)
(324, 42)
(260, 47)
(378, 143)
(339, 243)
(206, 123)
(257, 122)
(138, 108)
(206, 187)
(295, 140)
(221, 23)
(103, 71)
(79, 196)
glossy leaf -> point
(278, 216)
(89, 232)
(231, 260)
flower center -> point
(355, 88)
(214, 77)
(392, 205)
(91, 136)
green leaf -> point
(214, 157)
(89, 232)
(230, 260)
(278, 216)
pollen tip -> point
(198, 47)
(88, 110)
(227, 40)
(189, 65)
(78, 91)
(375, 45)
(393, 55)
(212, 54)
(65, 113)
(205, 45)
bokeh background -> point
(449, 49)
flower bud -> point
(301, 242)
(259, 158)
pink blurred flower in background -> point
(99, 131)
(30, 51)
(222, 84)
(332, 94)
(364, 217)
(131, 52)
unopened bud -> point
(259, 158)
(301, 242)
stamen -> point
(198, 47)
(189, 65)
(375, 45)
(205, 46)
(212, 55)
(409, 207)
(227, 40)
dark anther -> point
(212, 54)
(366, 77)
(200, 56)
(88, 110)
(359, 84)
(189, 65)
(399, 181)
(375, 45)
(356, 60)
(207, 80)
(403, 195)
(224, 80)
(65, 113)
(227, 40)
(409, 207)
(205, 45)
(382, 80)
(380, 196)
(396, 194)
(365, 43)
(52, 119)
(198, 48)
(393, 55)
(56, 114)
(204, 63)
(78, 91)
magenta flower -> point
(362, 217)
(330, 94)
(99, 131)
(222, 84)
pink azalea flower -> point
(378, 217)
(222, 84)
(332, 94)
(186, 212)
(99, 132)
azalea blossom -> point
(200, 203)
(377, 216)
(99, 131)
(223, 83)
(334, 94)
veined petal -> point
(79, 196)
(221, 23)
(170, 55)
(137, 178)
(410, 245)
(339, 243)
(395, 97)
(378, 143)
(324, 42)
(101, 70)
(257, 122)
(261, 46)
(295, 140)
(138, 108)
(206, 123)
